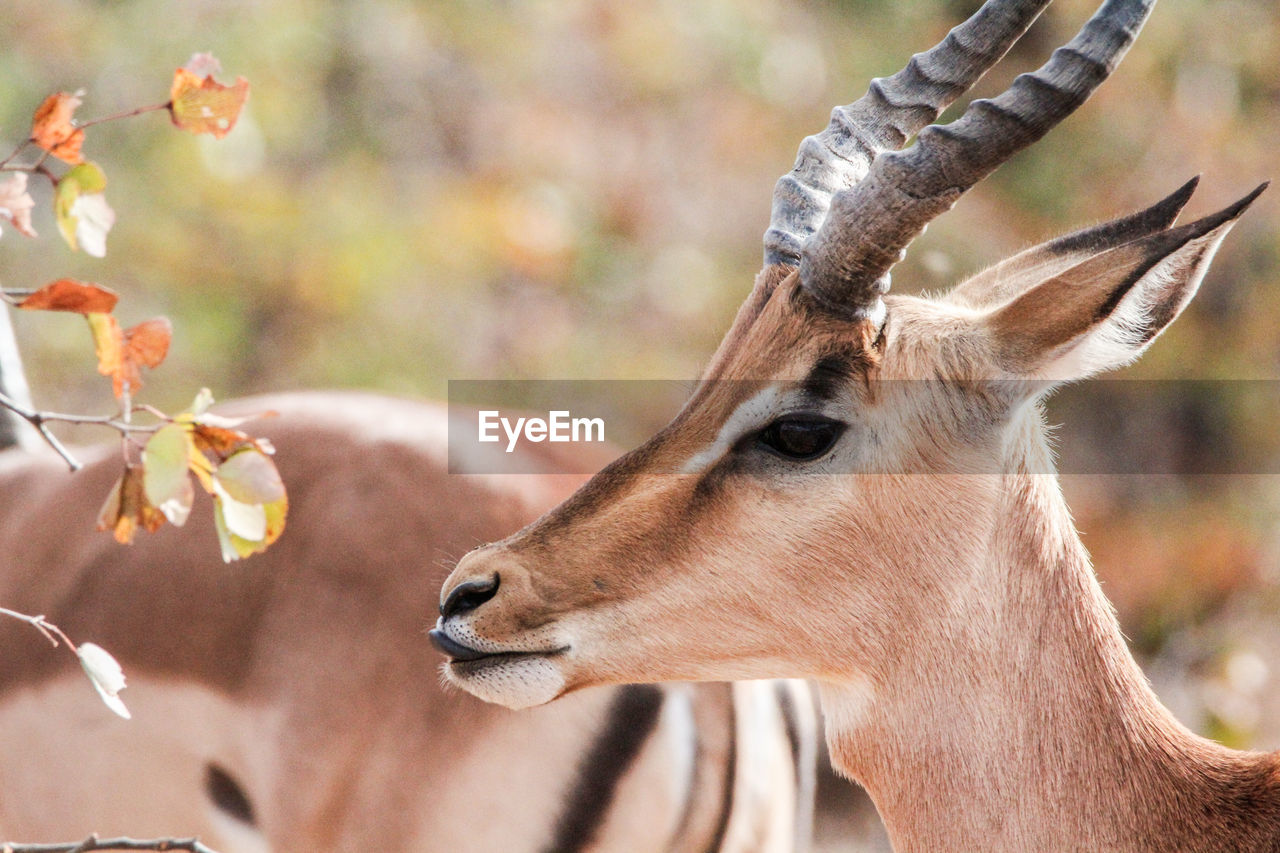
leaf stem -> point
(129, 114)
(13, 154)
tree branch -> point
(40, 420)
(42, 625)
(91, 843)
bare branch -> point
(91, 843)
(42, 625)
(40, 420)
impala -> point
(287, 703)
(855, 494)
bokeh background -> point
(566, 189)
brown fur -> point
(306, 675)
(973, 676)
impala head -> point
(779, 526)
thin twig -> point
(22, 146)
(40, 420)
(91, 843)
(129, 114)
(41, 169)
(43, 625)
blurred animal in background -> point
(291, 702)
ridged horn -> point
(845, 264)
(893, 110)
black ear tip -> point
(1230, 213)
(1171, 205)
(1183, 193)
(1242, 205)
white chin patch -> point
(514, 682)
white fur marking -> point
(751, 414)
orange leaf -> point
(203, 105)
(53, 130)
(108, 344)
(147, 343)
(122, 355)
(220, 441)
(127, 508)
(66, 294)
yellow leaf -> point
(203, 105)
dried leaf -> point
(84, 218)
(166, 483)
(247, 521)
(200, 104)
(94, 219)
(220, 441)
(126, 508)
(53, 129)
(67, 294)
(109, 515)
(147, 343)
(16, 203)
(251, 477)
(122, 355)
(234, 546)
(105, 674)
(108, 344)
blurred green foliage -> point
(480, 189)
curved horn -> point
(893, 110)
(845, 264)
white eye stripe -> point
(752, 414)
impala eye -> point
(801, 437)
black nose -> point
(469, 596)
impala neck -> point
(1023, 723)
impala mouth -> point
(460, 655)
(456, 651)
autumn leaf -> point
(53, 130)
(147, 343)
(251, 477)
(16, 203)
(108, 343)
(200, 104)
(250, 504)
(122, 355)
(126, 508)
(228, 518)
(165, 481)
(67, 294)
(81, 210)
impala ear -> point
(1103, 312)
(998, 284)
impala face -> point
(706, 553)
(831, 481)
